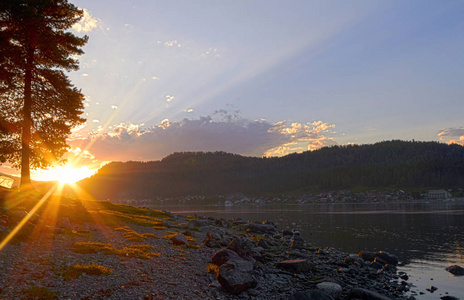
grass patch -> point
(126, 209)
(255, 238)
(212, 268)
(133, 236)
(137, 251)
(159, 227)
(92, 269)
(190, 246)
(39, 292)
(172, 233)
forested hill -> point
(398, 164)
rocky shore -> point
(129, 253)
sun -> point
(65, 174)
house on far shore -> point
(439, 195)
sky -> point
(264, 77)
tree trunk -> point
(27, 123)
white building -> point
(439, 194)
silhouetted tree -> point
(39, 105)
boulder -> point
(242, 246)
(367, 255)
(261, 228)
(354, 259)
(295, 265)
(363, 294)
(311, 295)
(330, 288)
(387, 257)
(298, 242)
(201, 222)
(235, 277)
(456, 270)
(223, 256)
(381, 257)
(179, 239)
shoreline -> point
(278, 261)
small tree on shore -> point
(39, 106)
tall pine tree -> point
(39, 106)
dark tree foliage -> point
(387, 164)
(39, 105)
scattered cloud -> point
(87, 23)
(96, 121)
(169, 98)
(241, 136)
(189, 110)
(452, 136)
(85, 75)
(155, 78)
(114, 107)
(172, 44)
(211, 53)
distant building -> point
(439, 195)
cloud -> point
(169, 98)
(87, 23)
(172, 44)
(451, 132)
(114, 107)
(240, 136)
(452, 136)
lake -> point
(427, 237)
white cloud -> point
(114, 107)
(85, 75)
(87, 23)
(189, 110)
(169, 98)
(172, 44)
(245, 137)
(155, 78)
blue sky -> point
(266, 77)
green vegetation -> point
(133, 236)
(39, 292)
(394, 164)
(136, 251)
(212, 269)
(92, 269)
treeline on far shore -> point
(394, 164)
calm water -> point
(427, 236)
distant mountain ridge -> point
(395, 163)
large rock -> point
(363, 294)
(223, 256)
(297, 242)
(295, 265)
(242, 246)
(354, 259)
(311, 295)
(179, 239)
(235, 277)
(201, 222)
(330, 288)
(381, 256)
(456, 270)
(261, 228)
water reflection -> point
(410, 230)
